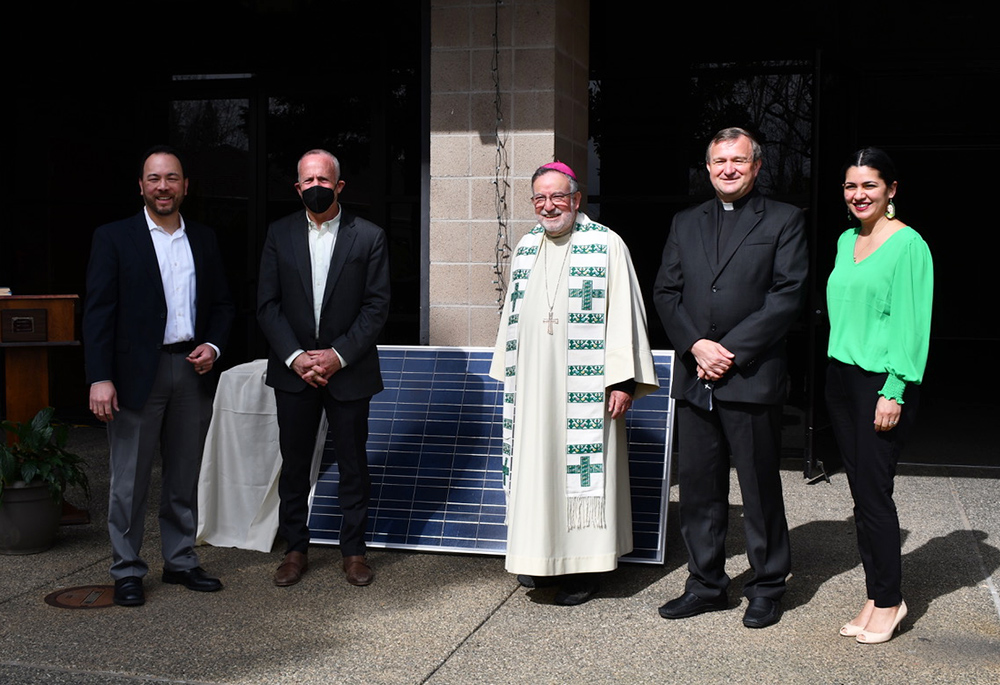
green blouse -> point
(880, 308)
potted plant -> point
(34, 471)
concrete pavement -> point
(443, 619)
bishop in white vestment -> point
(573, 353)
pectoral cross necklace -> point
(551, 301)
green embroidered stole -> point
(585, 400)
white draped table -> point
(238, 488)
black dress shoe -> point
(762, 612)
(129, 592)
(536, 581)
(193, 579)
(690, 604)
(576, 589)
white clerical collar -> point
(738, 204)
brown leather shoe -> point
(358, 571)
(291, 569)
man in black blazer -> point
(157, 314)
(730, 285)
(322, 301)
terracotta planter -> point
(29, 519)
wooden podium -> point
(29, 326)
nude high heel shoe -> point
(851, 630)
(867, 638)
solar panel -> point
(434, 457)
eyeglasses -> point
(737, 161)
(556, 198)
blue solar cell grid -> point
(434, 456)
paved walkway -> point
(442, 619)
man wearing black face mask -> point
(322, 300)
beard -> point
(155, 208)
(557, 222)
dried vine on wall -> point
(501, 179)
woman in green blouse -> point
(879, 300)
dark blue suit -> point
(124, 320)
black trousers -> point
(870, 460)
(298, 421)
(752, 434)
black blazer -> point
(355, 303)
(746, 302)
(125, 312)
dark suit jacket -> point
(355, 303)
(125, 312)
(746, 302)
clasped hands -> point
(714, 360)
(316, 366)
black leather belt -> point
(184, 347)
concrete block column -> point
(541, 64)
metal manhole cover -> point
(84, 597)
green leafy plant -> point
(39, 455)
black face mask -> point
(318, 198)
